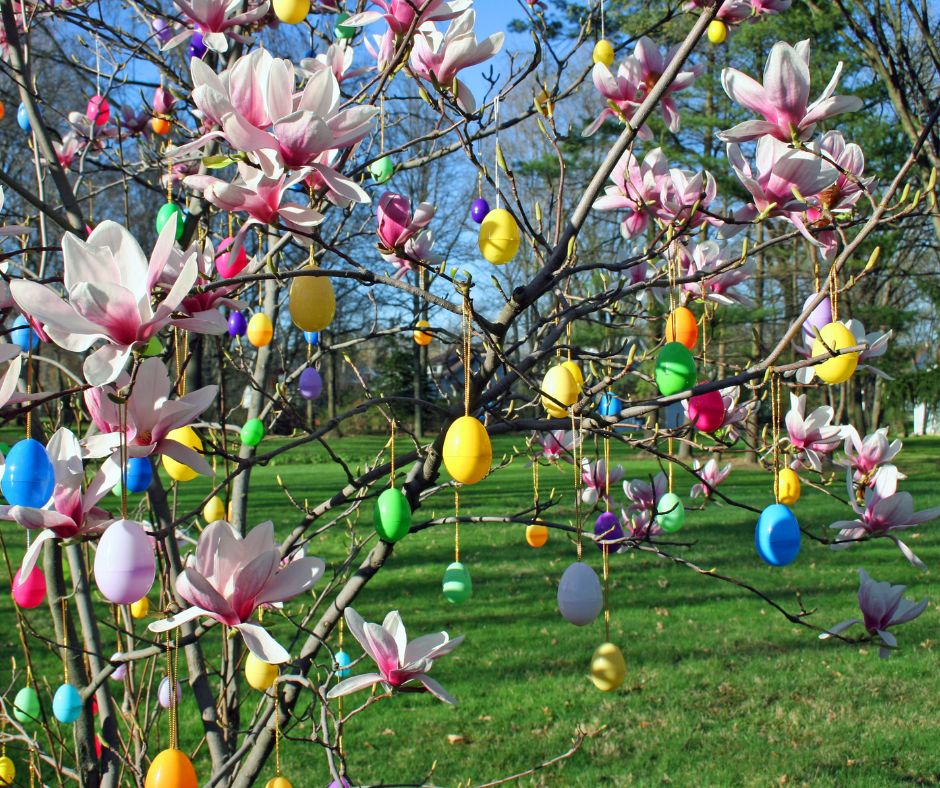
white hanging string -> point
(97, 66)
(496, 114)
(603, 31)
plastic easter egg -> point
(31, 593)
(457, 585)
(610, 405)
(467, 450)
(382, 169)
(160, 126)
(559, 385)
(66, 704)
(119, 672)
(140, 608)
(707, 411)
(260, 330)
(125, 565)
(165, 697)
(291, 12)
(312, 338)
(675, 369)
(717, 31)
(777, 536)
(279, 782)
(576, 373)
(342, 661)
(819, 317)
(392, 515)
(682, 327)
(197, 46)
(98, 111)
(252, 432)
(23, 335)
(607, 528)
(176, 470)
(228, 265)
(139, 474)
(580, 596)
(28, 476)
(7, 770)
(341, 783)
(22, 118)
(152, 348)
(26, 706)
(171, 769)
(310, 383)
(838, 369)
(168, 211)
(536, 535)
(603, 53)
(788, 486)
(341, 30)
(670, 513)
(422, 338)
(260, 675)
(479, 209)
(312, 302)
(608, 669)
(499, 236)
(162, 29)
(3, 110)
(213, 510)
(237, 324)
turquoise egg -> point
(343, 661)
(66, 704)
(168, 211)
(777, 536)
(457, 583)
(392, 515)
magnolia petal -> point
(354, 684)
(262, 644)
(436, 689)
(177, 620)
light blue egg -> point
(23, 335)
(28, 476)
(777, 536)
(22, 118)
(66, 704)
(343, 662)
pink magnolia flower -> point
(401, 14)
(439, 58)
(783, 98)
(732, 12)
(876, 341)
(596, 479)
(400, 661)
(229, 577)
(814, 436)
(10, 376)
(685, 191)
(643, 495)
(110, 285)
(637, 189)
(217, 20)
(556, 445)
(418, 250)
(639, 523)
(151, 416)
(396, 224)
(710, 477)
(72, 511)
(885, 511)
(770, 6)
(868, 457)
(382, 48)
(882, 606)
(338, 58)
(67, 148)
(736, 414)
(201, 307)
(720, 270)
(622, 95)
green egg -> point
(675, 369)
(382, 169)
(26, 706)
(4, 448)
(164, 215)
(457, 584)
(670, 513)
(341, 30)
(252, 433)
(153, 348)
(392, 515)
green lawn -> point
(721, 689)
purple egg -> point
(237, 324)
(163, 693)
(125, 564)
(820, 316)
(197, 47)
(479, 210)
(162, 28)
(310, 383)
(341, 783)
(119, 672)
(608, 528)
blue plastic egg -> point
(610, 405)
(22, 118)
(139, 474)
(237, 324)
(343, 662)
(197, 47)
(28, 478)
(66, 704)
(23, 335)
(607, 528)
(777, 537)
(310, 383)
(312, 337)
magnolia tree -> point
(288, 156)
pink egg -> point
(125, 565)
(225, 265)
(98, 110)
(32, 591)
(707, 411)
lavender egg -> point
(163, 693)
(125, 565)
(237, 324)
(310, 383)
(819, 317)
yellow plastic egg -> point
(259, 674)
(559, 384)
(171, 769)
(467, 450)
(608, 669)
(576, 373)
(423, 338)
(176, 470)
(260, 330)
(717, 31)
(838, 369)
(213, 510)
(499, 236)
(603, 52)
(788, 486)
(279, 782)
(7, 771)
(291, 12)
(312, 302)
(536, 535)
(140, 608)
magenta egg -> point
(164, 698)
(98, 111)
(229, 266)
(32, 591)
(125, 565)
(707, 411)
(819, 317)
(310, 383)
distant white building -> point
(926, 421)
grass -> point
(721, 689)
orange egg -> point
(422, 338)
(536, 535)
(171, 769)
(3, 110)
(160, 126)
(681, 326)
